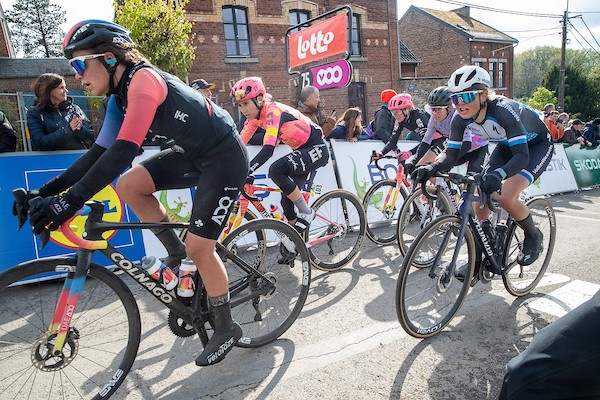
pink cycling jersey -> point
(281, 123)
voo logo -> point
(330, 75)
(317, 43)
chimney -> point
(463, 11)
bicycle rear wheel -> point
(417, 212)
(101, 345)
(382, 205)
(428, 298)
(266, 311)
(520, 280)
(341, 219)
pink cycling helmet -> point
(400, 102)
(247, 88)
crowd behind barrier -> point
(572, 168)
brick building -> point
(238, 38)
(439, 42)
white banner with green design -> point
(585, 164)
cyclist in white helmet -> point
(524, 148)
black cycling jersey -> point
(416, 121)
(507, 122)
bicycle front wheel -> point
(337, 233)
(416, 212)
(266, 304)
(520, 280)
(382, 205)
(428, 298)
(101, 345)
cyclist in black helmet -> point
(142, 97)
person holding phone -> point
(310, 105)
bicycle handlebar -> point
(376, 160)
(462, 179)
(243, 192)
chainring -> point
(179, 327)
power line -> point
(528, 14)
(591, 34)
(583, 37)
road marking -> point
(576, 217)
(566, 298)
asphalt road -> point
(348, 343)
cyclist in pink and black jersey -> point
(142, 97)
(289, 126)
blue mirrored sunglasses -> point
(466, 97)
(78, 63)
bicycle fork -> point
(67, 302)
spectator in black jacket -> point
(8, 138)
(54, 122)
(383, 124)
(592, 132)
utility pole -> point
(561, 72)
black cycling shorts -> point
(292, 170)
(218, 179)
(540, 155)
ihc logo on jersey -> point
(180, 116)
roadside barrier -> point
(572, 168)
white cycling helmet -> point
(469, 77)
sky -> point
(531, 31)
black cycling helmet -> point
(90, 33)
(440, 97)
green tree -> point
(35, 28)
(161, 31)
(580, 91)
(540, 97)
(531, 67)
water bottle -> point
(159, 272)
(275, 212)
(187, 272)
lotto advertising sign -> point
(337, 74)
(318, 42)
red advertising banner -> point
(320, 41)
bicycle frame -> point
(249, 197)
(193, 315)
(467, 217)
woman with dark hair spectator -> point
(349, 126)
(54, 122)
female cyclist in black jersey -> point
(143, 97)
(524, 148)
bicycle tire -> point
(380, 213)
(346, 211)
(411, 220)
(100, 351)
(424, 304)
(521, 280)
(265, 317)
